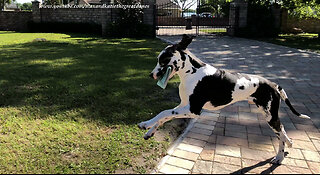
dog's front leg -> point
(150, 123)
(160, 119)
(151, 132)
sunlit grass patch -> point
(70, 104)
(306, 41)
(213, 30)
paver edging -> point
(173, 146)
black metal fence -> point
(170, 20)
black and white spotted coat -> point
(203, 86)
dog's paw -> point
(289, 143)
(277, 160)
(146, 137)
(142, 125)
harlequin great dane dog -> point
(203, 86)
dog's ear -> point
(186, 40)
(172, 48)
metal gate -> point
(171, 21)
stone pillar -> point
(276, 12)
(284, 20)
(149, 15)
(243, 14)
(105, 20)
(238, 16)
(36, 14)
(232, 19)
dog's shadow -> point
(267, 171)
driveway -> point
(237, 139)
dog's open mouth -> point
(163, 80)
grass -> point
(306, 41)
(214, 30)
(71, 104)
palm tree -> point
(185, 4)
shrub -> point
(129, 22)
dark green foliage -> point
(297, 8)
(261, 20)
(129, 22)
(25, 6)
(3, 2)
(216, 7)
(52, 2)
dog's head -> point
(171, 57)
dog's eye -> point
(164, 61)
(165, 58)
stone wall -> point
(75, 15)
(101, 16)
(17, 21)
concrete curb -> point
(174, 146)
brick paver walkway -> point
(237, 139)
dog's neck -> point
(189, 64)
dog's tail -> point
(285, 98)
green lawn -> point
(213, 30)
(71, 104)
(306, 41)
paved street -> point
(237, 138)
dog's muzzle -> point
(162, 71)
(151, 75)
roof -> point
(12, 6)
(87, 2)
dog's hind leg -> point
(282, 139)
(277, 127)
(267, 98)
(288, 140)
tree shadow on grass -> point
(104, 79)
